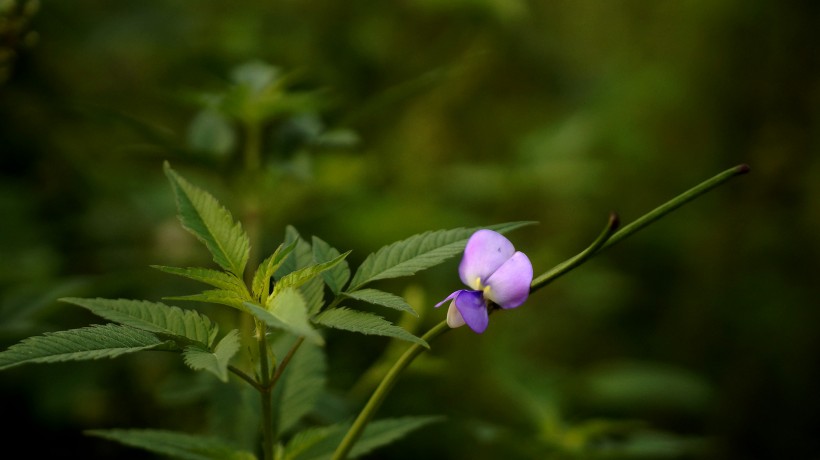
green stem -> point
(609, 237)
(265, 392)
(568, 265)
(384, 387)
(606, 239)
(247, 378)
(675, 203)
(285, 361)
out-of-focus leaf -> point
(177, 445)
(212, 133)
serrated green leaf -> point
(364, 323)
(418, 252)
(92, 342)
(320, 443)
(287, 312)
(203, 216)
(217, 279)
(314, 294)
(177, 445)
(337, 276)
(217, 296)
(301, 384)
(303, 275)
(152, 316)
(261, 279)
(382, 298)
(215, 362)
(301, 257)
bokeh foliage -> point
(697, 337)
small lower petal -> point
(454, 318)
(473, 309)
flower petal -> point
(486, 250)
(449, 297)
(510, 284)
(454, 318)
(473, 309)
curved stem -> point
(384, 387)
(247, 378)
(282, 365)
(567, 266)
(675, 203)
(606, 239)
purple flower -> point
(495, 272)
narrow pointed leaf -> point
(385, 299)
(335, 277)
(364, 323)
(418, 252)
(215, 362)
(261, 279)
(216, 278)
(203, 216)
(320, 443)
(92, 342)
(301, 257)
(303, 275)
(177, 445)
(216, 296)
(152, 316)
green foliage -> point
(382, 298)
(152, 317)
(320, 443)
(215, 362)
(300, 386)
(217, 279)
(212, 133)
(205, 218)
(416, 253)
(261, 279)
(93, 342)
(177, 445)
(287, 312)
(364, 323)
(336, 276)
(301, 257)
(301, 276)
(385, 299)
(260, 92)
(217, 296)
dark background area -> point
(696, 338)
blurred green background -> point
(696, 338)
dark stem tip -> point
(614, 220)
(742, 168)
